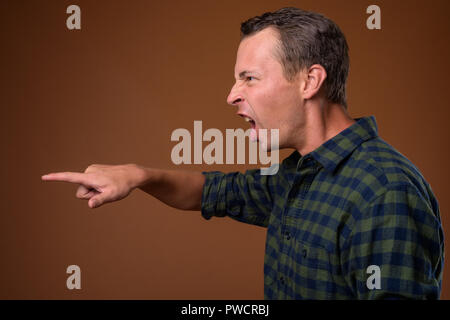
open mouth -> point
(253, 133)
(251, 121)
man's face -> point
(262, 94)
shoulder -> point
(382, 169)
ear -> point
(313, 79)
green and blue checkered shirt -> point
(331, 215)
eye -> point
(249, 78)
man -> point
(347, 216)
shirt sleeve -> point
(399, 239)
(246, 197)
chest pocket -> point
(312, 271)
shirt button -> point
(305, 253)
(288, 235)
(282, 280)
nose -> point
(235, 96)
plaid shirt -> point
(353, 203)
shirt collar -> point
(333, 151)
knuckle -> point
(79, 192)
(91, 167)
(113, 189)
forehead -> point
(258, 52)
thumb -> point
(97, 200)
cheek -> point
(271, 102)
(277, 100)
(264, 106)
(266, 98)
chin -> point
(269, 144)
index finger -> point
(74, 177)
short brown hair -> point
(307, 38)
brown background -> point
(114, 92)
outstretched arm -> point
(101, 184)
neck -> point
(322, 122)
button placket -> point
(288, 235)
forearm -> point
(176, 188)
